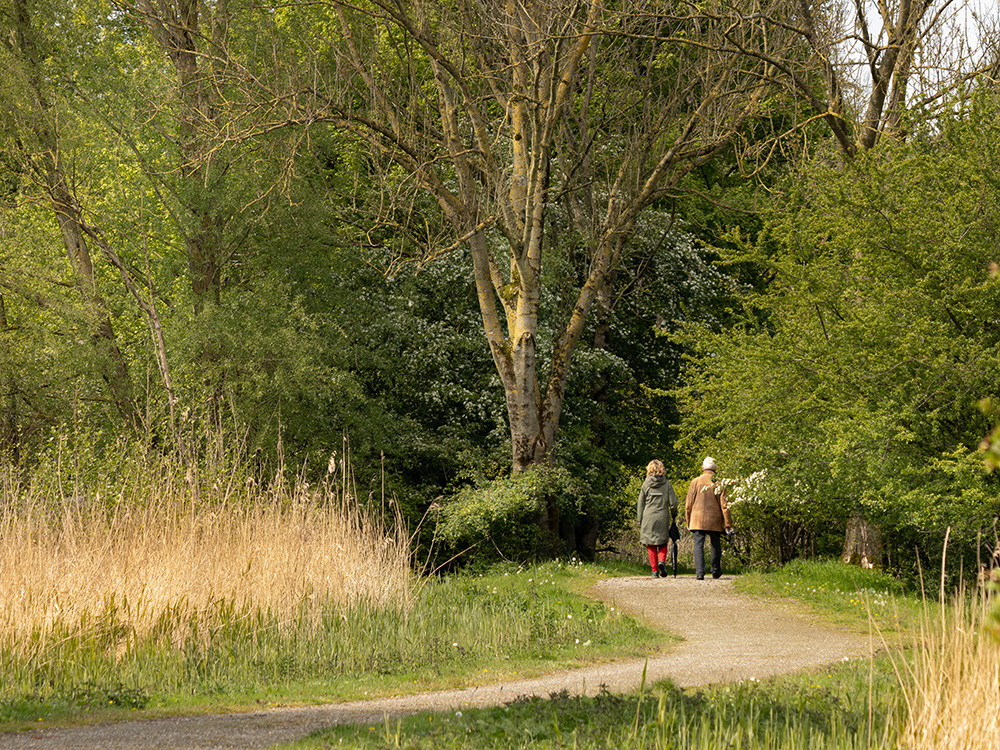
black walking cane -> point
(731, 536)
(674, 535)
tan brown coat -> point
(705, 507)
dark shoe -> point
(662, 569)
(656, 574)
(716, 575)
(700, 578)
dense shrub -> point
(505, 518)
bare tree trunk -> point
(149, 309)
(196, 53)
(862, 543)
(906, 45)
(111, 363)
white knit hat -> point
(708, 464)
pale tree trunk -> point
(893, 42)
(148, 307)
(513, 339)
(111, 362)
(862, 543)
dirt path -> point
(727, 637)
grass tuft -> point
(163, 587)
(950, 679)
(152, 593)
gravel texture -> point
(726, 637)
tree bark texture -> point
(524, 101)
(862, 543)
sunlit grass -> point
(277, 554)
(833, 708)
(847, 595)
(158, 597)
(161, 594)
(950, 679)
(940, 691)
(168, 587)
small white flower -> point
(569, 617)
(458, 714)
(454, 644)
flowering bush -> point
(781, 515)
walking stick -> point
(731, 536)
(674, 534)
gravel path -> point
(727, 637)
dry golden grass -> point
(166, 548)
(952, 684)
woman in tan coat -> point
(706, 512)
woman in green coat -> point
(656, 511)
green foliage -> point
(991, 443)
(852, 384)
(318, 329)
(259, 355)
(502, 517)
(618, 396)
(993, 620)
(846, 707)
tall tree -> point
(502, 111)
(852, 386)
(193, 37)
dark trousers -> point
(699, 552)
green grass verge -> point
(463, 629)
(845, 595)
(476, 628)
(848, 706)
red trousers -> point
(657, 554)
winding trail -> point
(727, 637)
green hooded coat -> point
(656, 510)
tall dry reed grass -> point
(158, 546)
(951, 683)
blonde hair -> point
(655, 468)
